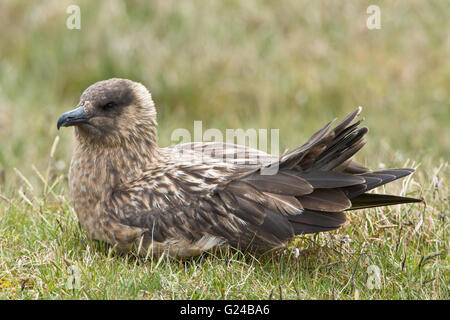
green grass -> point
(291, 65)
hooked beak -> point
(73, 117)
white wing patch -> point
(208, 241)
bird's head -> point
(113, 112)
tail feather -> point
(370, 200)
(376, 179)
(328, 179)
(347, 120)
(343, 146)
(311, 221)
(314, 187)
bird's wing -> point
(195, 206)
(223, 152)
(209, 202)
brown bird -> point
(188, 198)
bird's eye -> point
(108, 106)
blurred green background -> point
(292, 65)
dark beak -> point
(73, 117)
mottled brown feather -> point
(188, 198)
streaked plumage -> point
(188, 198)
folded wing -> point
(211, 201)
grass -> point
(290, 65)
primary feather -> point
(188, 198)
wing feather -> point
(201, 204)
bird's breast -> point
(88, 190)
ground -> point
(287, 65)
